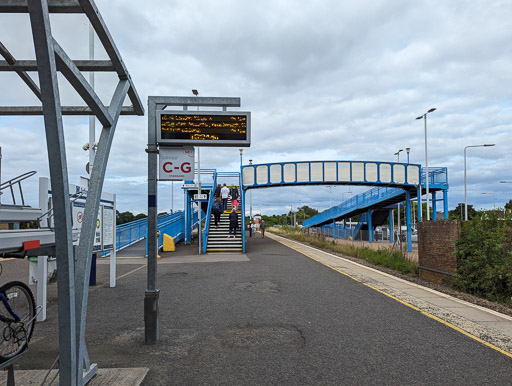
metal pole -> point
(465, 179)
(47, 72)
(465, 188)
(0, 173)
(151, 317)
(250, 197)
(426, 169)
(399, 227)
(200, 192)
(92, 118)
(408, 214)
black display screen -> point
(204, 128)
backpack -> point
(234, 193)
(216, 207)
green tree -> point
(458, 212)
(310, 212)
(124, 217)
(508, 206)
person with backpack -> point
(217, 210)
(234, 196)
(217, 191)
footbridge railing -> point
(390, 174)
(377, 196)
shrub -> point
(484, 258)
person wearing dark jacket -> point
(217, 210)
(233, 191)
(233, 223)
(217, 191)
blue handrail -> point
(362, 200)
(129, 233)
(175, 227)
(208, 212)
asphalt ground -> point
(272, 316)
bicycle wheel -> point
(15, 334)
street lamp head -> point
(241, 151)
(398, 152)
(420, 117)
(250, 162)
(490, 144)
(408, 150)
(431, 110)
(195, 92)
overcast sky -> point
(324, 80)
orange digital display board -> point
(204, 128)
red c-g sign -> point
(185, 167)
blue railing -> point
(438, 176)
(216, 175)
(129, 233)
(174, 226)
(208, 212)
(363, 200)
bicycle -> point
(17, 318)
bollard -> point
(92, 278)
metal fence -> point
(172, 224)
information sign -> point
(200, 197)
(98, 235)
(108, 228)
(204, 128)
(176, 163)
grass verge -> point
(388, 258)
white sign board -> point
(108, 227)
(176, 164)
(105, 232)
(200, 197)
(98, 235)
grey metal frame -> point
(155, 105)
(74, 266)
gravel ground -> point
(438, 287)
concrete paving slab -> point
(474, 314)
(116, 376)
(503, 327)
(206, 258)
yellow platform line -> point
(448, 324)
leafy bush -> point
(484, 258)
(384, 257)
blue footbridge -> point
(390, 184)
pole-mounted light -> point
(424, 116)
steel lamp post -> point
(424, 117)
(399, 225)
(250, 197)
(493, 198)
(465, 179)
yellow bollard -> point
(168, 243)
